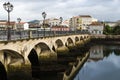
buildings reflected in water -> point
(96, 53)
(103, 64)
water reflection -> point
(103, 64)
(96, 53)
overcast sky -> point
(107, 10)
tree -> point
(107, 30)
(116, 30)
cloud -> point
(32, 9)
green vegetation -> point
(116, 30)
(111, 31)
(107, 30)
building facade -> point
(4, 25)
(80, 22)
(96, 28)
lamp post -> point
(61, 19)
(19, 26)
(8, 7)
(44, 16)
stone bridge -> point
(26, 50)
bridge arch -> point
(59, 43)
(43, 46)
(81, 37)
(11, 56)
(76, 39)
(70, 41)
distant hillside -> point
(34, 21)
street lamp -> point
(44, 16)
(8, 7)
(19, 26)
(61, 19)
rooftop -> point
(85, 16)
(96, 24)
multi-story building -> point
(73, 23)
(22, 26)
(54, 24)
(4, 25)
(54, 21)
(65, 23)
(85, 21)
(80, 22)
(51, 22)
(96, 28)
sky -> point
(27, 10)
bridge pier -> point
(47, 56)
(79, 43)
(62, 50)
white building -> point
(85, 21)
(51, 21)
(94, 20)
(65, 23)
(54, 21)
(26, 26)
(22, 26)
(111, 24)
(96, 28)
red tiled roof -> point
(59, 27)
(96, 24)
(85, 16)
(5, 23)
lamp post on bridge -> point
(19, 26)
(44, 16)
(8, 7)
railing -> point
(26, 34)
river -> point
(103, 64)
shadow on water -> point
(3, 73)
(53, 70)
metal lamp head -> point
(4, 5)
(8, 7)
(61, 19)
(19, 19)
(44, 15)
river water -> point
(103, 64)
